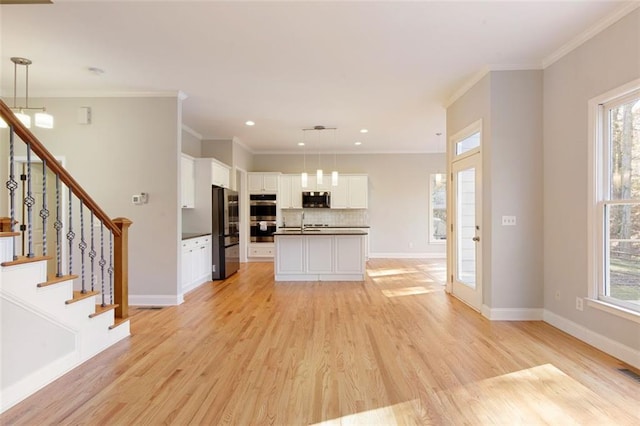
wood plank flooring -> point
(394, 349)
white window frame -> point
(432, 179)
(598, 185)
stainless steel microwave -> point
(316, 199)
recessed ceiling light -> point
(249, 123)
(300, 143)
(363, 131)
(96, 70)
(358, 143)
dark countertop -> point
(189, 235)
(326, 227)
(324, 231)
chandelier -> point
(41, 118)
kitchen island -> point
(319, 255)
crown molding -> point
(108, 94)
(192, 132)
(589, 33)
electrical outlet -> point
(558, 295)
(579, 303)
(410, 245)
(508, 220)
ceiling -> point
(389, 67)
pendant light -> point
(42, 118)
(334, 173)
(319, 174)
(304, 178)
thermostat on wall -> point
(141, 198)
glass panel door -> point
(467, 202)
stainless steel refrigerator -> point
(225, 229)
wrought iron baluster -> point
(102, 262)
(70, 234)
(58, 227)
(92, 256)
(44, 212)
(82, 246)
(110, 269)
(12, 185)
(29, 201)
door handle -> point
(476, 239)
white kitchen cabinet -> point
(351, 193)
(220, 174)
(261, 250)
(263, 182)
(313, 185)
(196, 262)
(290, 195)
(187, 182)
(314, 257)
(294, 260)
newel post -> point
(5, 224)
(121, 267)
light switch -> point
(508, 220)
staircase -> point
(52, 322)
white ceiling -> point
(390, 67)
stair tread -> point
(9, 234)
(102, 309)
(56, 280)
(117, 322)
(24, 259)
(79, 295)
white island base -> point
(308, 256)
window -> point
(438, 208)
(617, 200)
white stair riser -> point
(18, 284)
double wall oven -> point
(263, 211)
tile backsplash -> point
(331, 217)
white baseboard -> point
(155, 300)
(407, 255)
(512, 314)
(624, 353)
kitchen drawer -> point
(261, 251)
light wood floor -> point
(392, 350)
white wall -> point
(607, 61)
(510, 106)
(131, 146)
(191, 144)
(398, 195)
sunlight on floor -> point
(389, 272)
(410, 291)
(537, 395)
(391, 415)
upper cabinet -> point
(352, 192)
(290, 195)
(264, 182)
(220, 174)
(313, 185)
(187, 182)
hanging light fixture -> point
(41, 118)
(334, 173)
(304, 177)
(319, 172)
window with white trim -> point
(438, 210)
(617, 193)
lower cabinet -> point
(320, 258)
(261, 251)
(196, 262)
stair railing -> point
(113, 266)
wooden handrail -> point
(42, 153)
